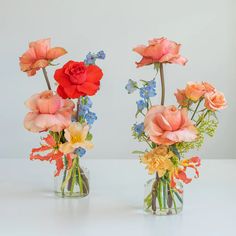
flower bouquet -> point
(170, 132)
(66, 123)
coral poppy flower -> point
(77, 79)
(160, 50)
(39, 55)
(53, 154)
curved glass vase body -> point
(73, 182)
(161, 199)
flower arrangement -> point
(66, 123)
(170, 132)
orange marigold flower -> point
(158, 160)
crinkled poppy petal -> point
(94, 74)
(61, 92)
(72, 91)
(62, 78)
(55, 52)
(88, 88)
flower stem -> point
(46, 78)
(162, 84)
(196, 109)
(77, 110)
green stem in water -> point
(196, 109)
(46, 78)
(172, 196)
(64, 177)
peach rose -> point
(215, 101)
(208, 87)
(169, 125)
(160, 50)
(39, 55)
(48, 112)
(194, 91)
(181, 97)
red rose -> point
(77, 79)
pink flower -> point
(160, 50)
(39, 55)
(48, 112)
(194, 91)
(181, 97)
(169, 125)
(215, 101)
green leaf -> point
(89, 137)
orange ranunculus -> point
(48, 112)
(194, 91)
(181, 97)
(52, 154)
(160, 50)
(215, 101)
(39, 55)
(169, 125)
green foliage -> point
(89, 137)
(206, 125)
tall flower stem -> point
(77, 110)
(46, 78)
(162, 84)
(196, 109)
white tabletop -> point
(28, 205)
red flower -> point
(51, 154)
(77, 79)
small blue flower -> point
(141, 104)
(101, 55)
(131, 86)
(83, 110)
(146, 92)
(80, 151)
(152, 83)
(90, 59)
(88, 102)
(90, 117)
(139, 128)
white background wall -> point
(206, 28)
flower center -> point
(76, 139)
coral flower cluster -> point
(53, 112)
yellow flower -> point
(158, 160)
(76, 135)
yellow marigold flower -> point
(158, 160)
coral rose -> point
(160, 50)
(181, 97)
(77, 79)
(39, 55)
(194, 91)
(169, 125)
(208, 87)
(215, 101)
(48, 112)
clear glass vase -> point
(73, 182)
(161, 199)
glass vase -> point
(72, 182)
(161, 199)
